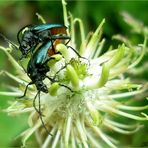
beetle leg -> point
(68, 40)
(66, 87)
(79, 54)
(60, 70)
(76, 52)
(51, 79)
(51, 40)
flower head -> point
(85, 100)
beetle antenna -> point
(34, 105)
(25, 90)
(39, 111)
(7, 40)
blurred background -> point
(16, 14)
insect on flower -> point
(47, 36)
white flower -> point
(82, 113)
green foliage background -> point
(16, 14)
